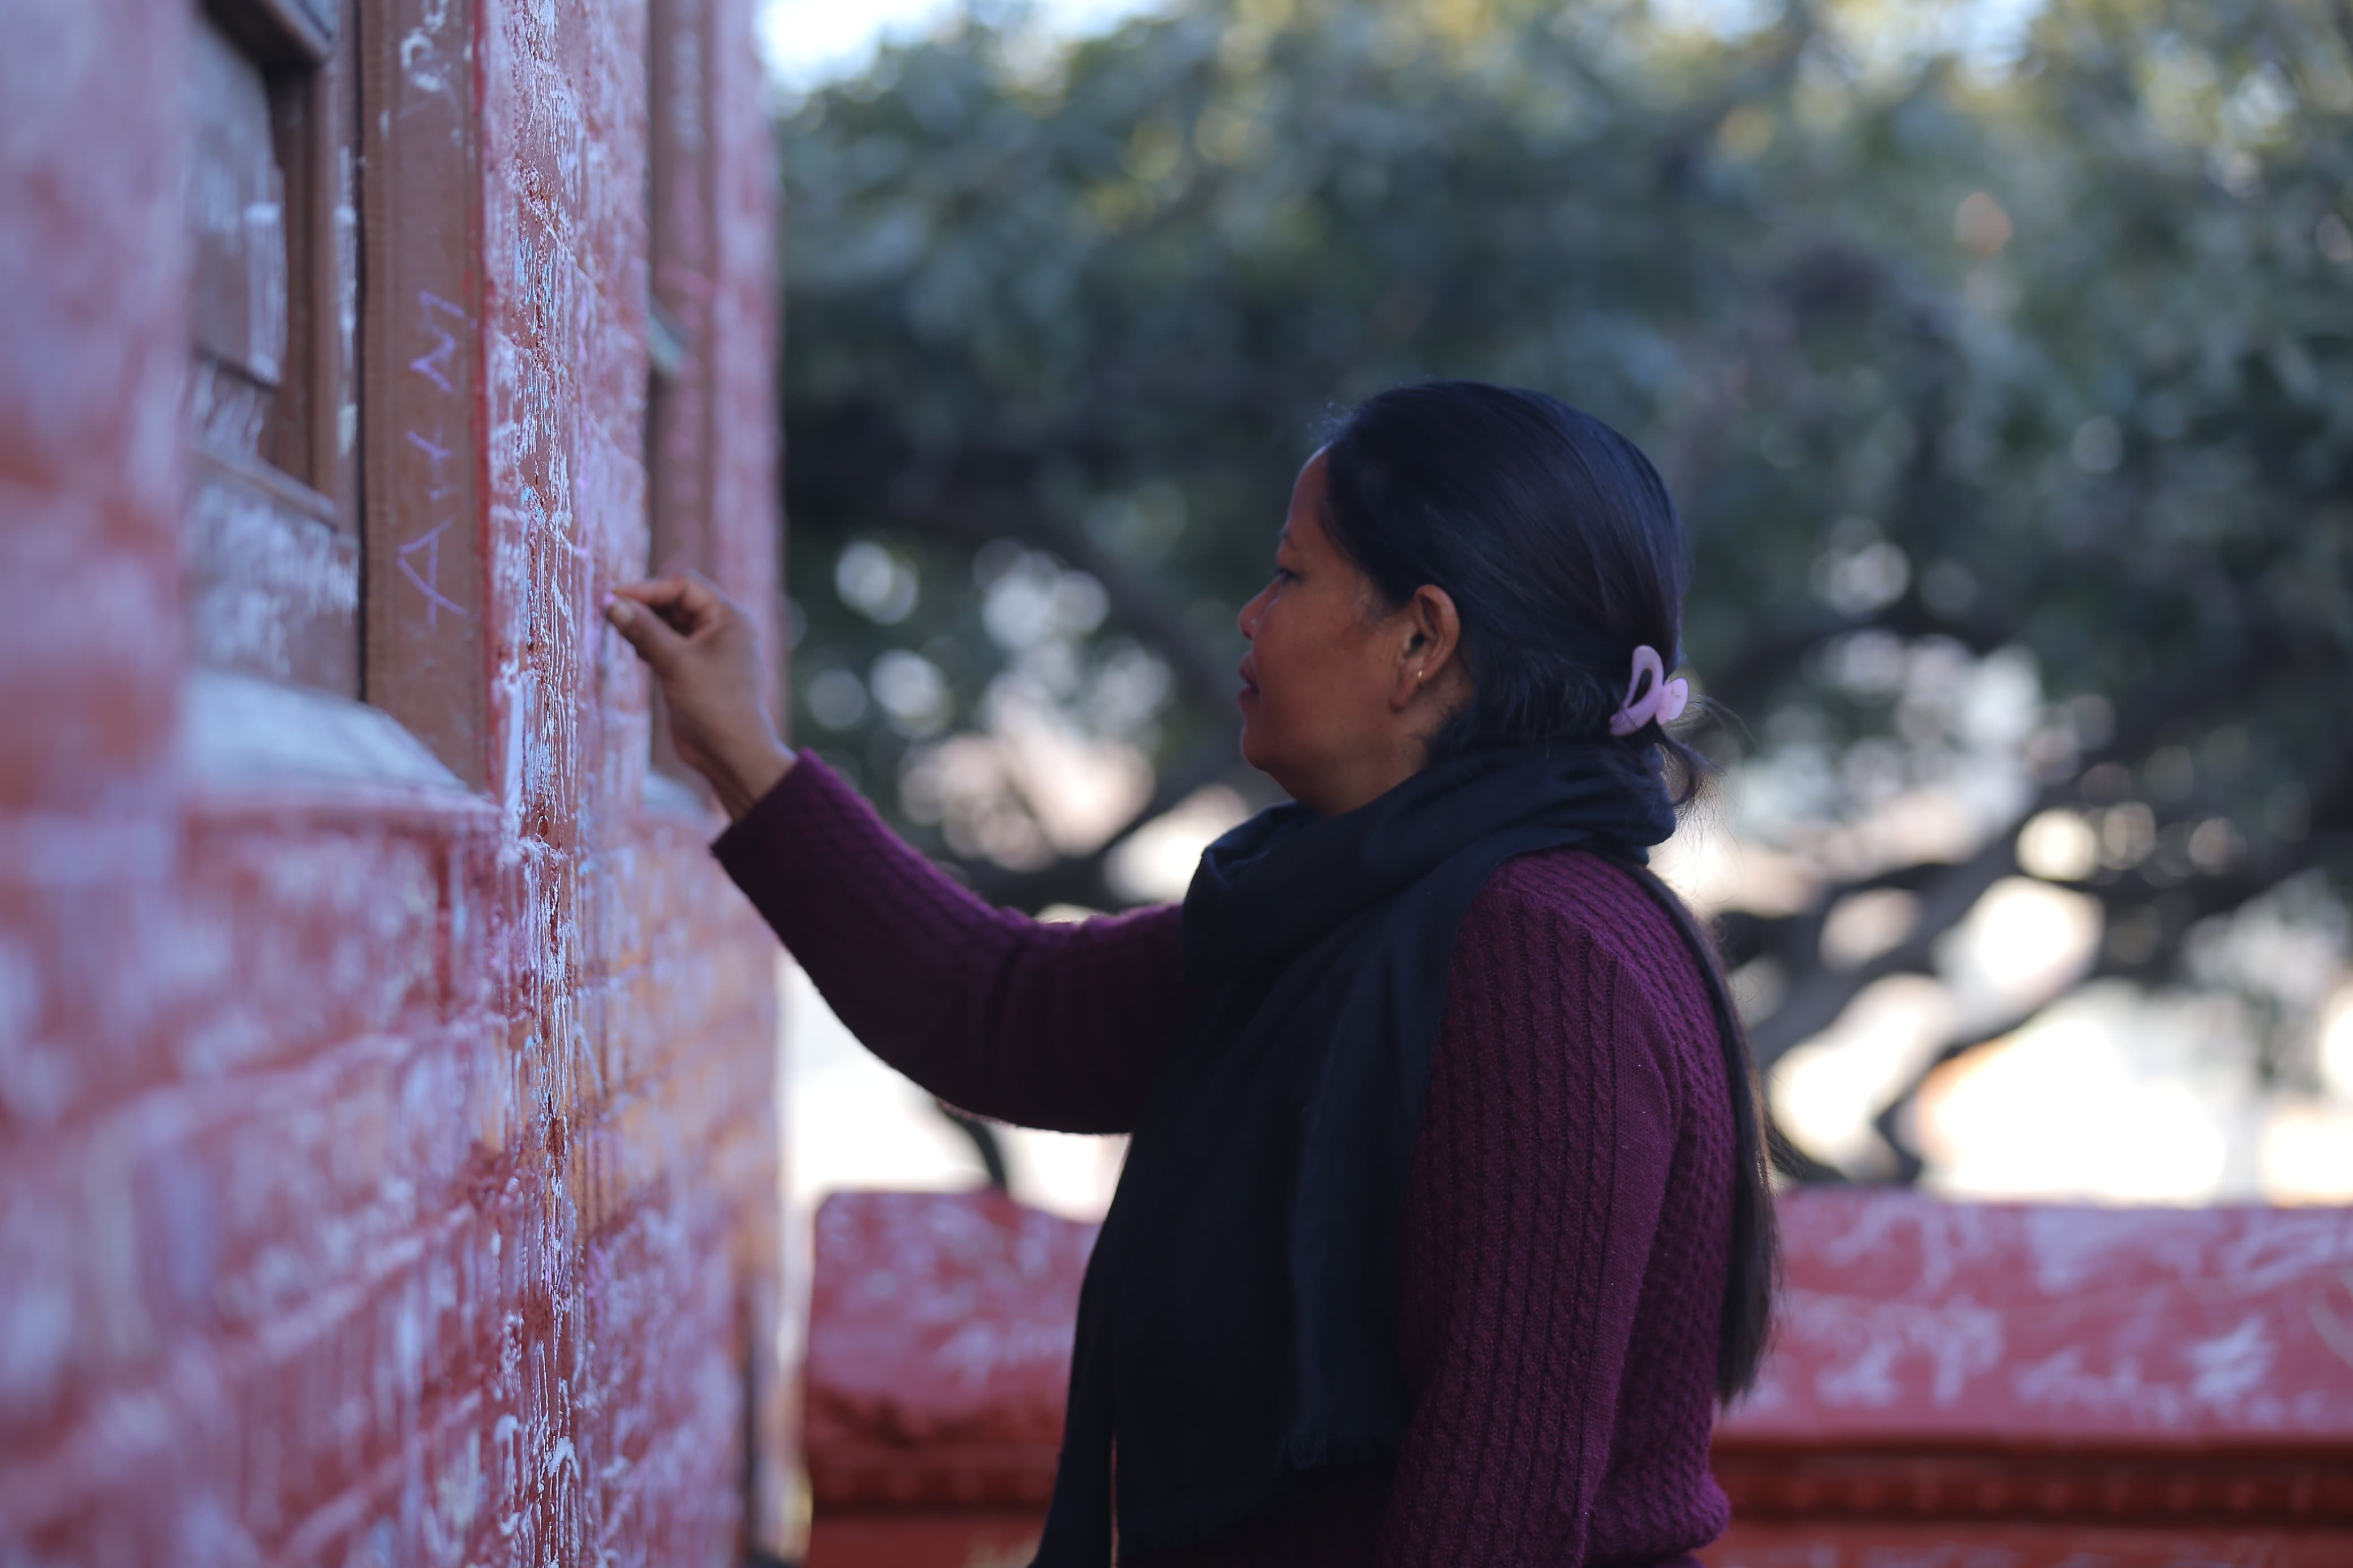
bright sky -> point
(807, 41)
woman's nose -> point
(1248, 620)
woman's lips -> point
(1250, 682)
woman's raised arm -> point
(1040, 1023)
(1055, 1025)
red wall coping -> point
(2042, 1363)
(939, 1347)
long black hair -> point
(1563, 553)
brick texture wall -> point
(387, 1172)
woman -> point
(1444, 1225)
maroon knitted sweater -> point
(1567, 1218)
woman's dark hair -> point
(1563, 554)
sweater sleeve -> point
(1043, 1024)
(1540, 1174)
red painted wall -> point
(387, 1171)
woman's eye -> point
(1285, 574)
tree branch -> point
(1815, 1003)
(2208, 896)
(1947, 895)
(1081, 879)
(1135, 604)
(2214, 896)
(985, 493)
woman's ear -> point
(1428, 657)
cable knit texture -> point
(1567, 1218)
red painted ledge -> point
(1954, 1385)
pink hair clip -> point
(1662, 700)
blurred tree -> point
(2003, 385)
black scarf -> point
(1238, 1322)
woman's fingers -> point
(705, 652)
(695, 639)
(689, 600)
(664, 618)
(645, 630)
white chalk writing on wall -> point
(430, 364)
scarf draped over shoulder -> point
(1238, 1322)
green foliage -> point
(1940, 357)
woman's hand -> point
(705, 651)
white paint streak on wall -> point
(263, 576)
(425, 56)
(237, 729)
(1866, 1352)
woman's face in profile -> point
(1317, 681)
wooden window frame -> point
(423, 426)
(682, 264)
(381, 442)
